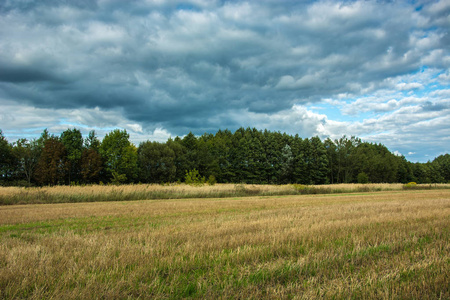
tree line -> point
(246, 156)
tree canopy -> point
(246, 156)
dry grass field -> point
(98, 193)
(383, 245)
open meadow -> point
(364, 245)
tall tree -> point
(404, 170)
(376, 161)
(92, 141)
(272, 143)
(318, 161)
(442, 163)
(120, 156)
(344, 148)
(209, 163)
(156, 162)
(91, 160)
(300, 149)
(27, 155)
(73, 142)
(238, 157)
(52, 166)
(330, 146)
(6, 158)
(257, 164)
(220, 149)
(180, 161)
(287, 165)
(91, 165)
(192, 155)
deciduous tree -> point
(120, 156)
(53, 165)
(156, 162)
(6, 158)
(72, 140)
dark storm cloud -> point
(430, 107)
(185, 64)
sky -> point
(378, 70)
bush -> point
(311, 190)
(363, 178)
(410, 186)
(193, 178)
(299, 187)
(118, 178)
(242, 190)
(212, 180)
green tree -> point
(318, 161)
(256, 157)
(363, 178)
(53, 165)
(272, 145)
(156, 162)
(92, 142)
(219, 148)
(287, 165)
(27, 155)
(180, 160)
(208, 163)
(404, 170)
(193, 177)
(119, 155)
(6, 158)
(91, 160)
(344, 148)
(239, 156)
(91, 165)
(376, 161)
(331, 148)
(192, 155)
(72, 140)
(300, 149)
(442, 163)
(433, 173)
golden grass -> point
(106, 189)
(96, 193)
(375, 245)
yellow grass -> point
(176, 188)
(391, 244)
(105, 189)
(92, 193)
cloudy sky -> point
(378, 70)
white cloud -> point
(396, 152)
(160, 67)
(402, 86)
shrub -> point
(363, 178)
(299, 187)
(193, 178)
(410, 186)
(212, 180)
(242, 190)
(118, 178)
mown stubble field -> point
(389, 244)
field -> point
(108, 193)
(387, 244)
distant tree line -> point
(245, 156)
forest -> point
(246, 156)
